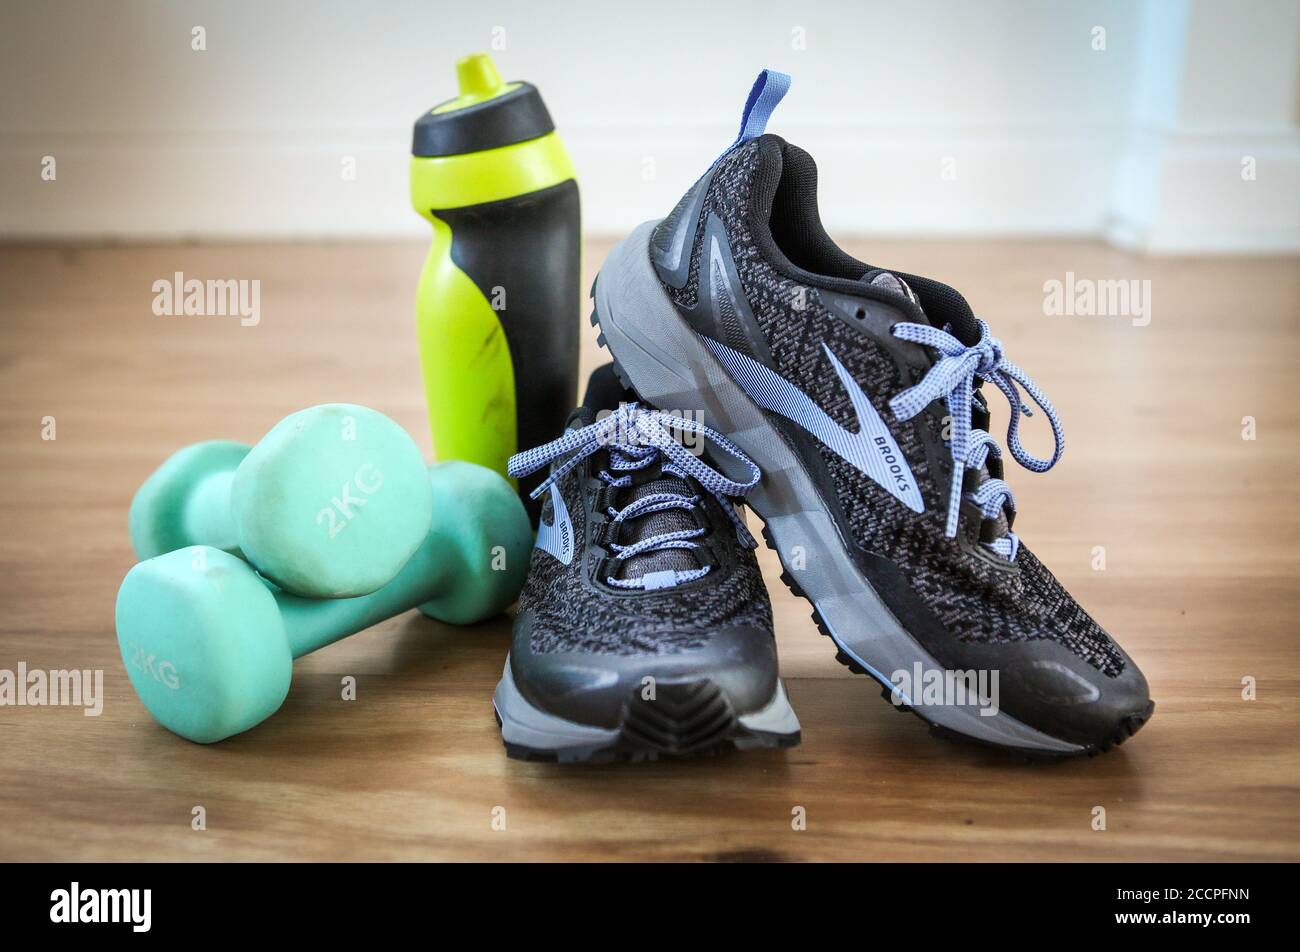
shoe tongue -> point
(653, 524)
(890, 282)
(582, 416)
(605, 391)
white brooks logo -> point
(557, 538)
(871, 450)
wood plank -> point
(1201, 531)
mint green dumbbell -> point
(329, 504)
(209, 645)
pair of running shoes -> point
(756, 362)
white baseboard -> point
(1188, 193)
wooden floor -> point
(1200, 528)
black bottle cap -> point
(513, 116)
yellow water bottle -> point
(498, 302)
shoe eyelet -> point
(860, 313)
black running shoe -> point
(840, 380)
(644, 627)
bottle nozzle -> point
(478, 77)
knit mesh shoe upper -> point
(573, 610)
(763, 194)
(602, 603)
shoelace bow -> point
(952, 377)
(635, 437)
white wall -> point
(1043, 134)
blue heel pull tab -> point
(769, 89)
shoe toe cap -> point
(1053, 690)
(596, 689)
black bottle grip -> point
(523, 254)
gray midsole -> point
(529, 726)
(671, 369)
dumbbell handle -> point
(311, 624)
(207, 511)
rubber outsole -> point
(630, 752)
(685, 719)
(1125, 728)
